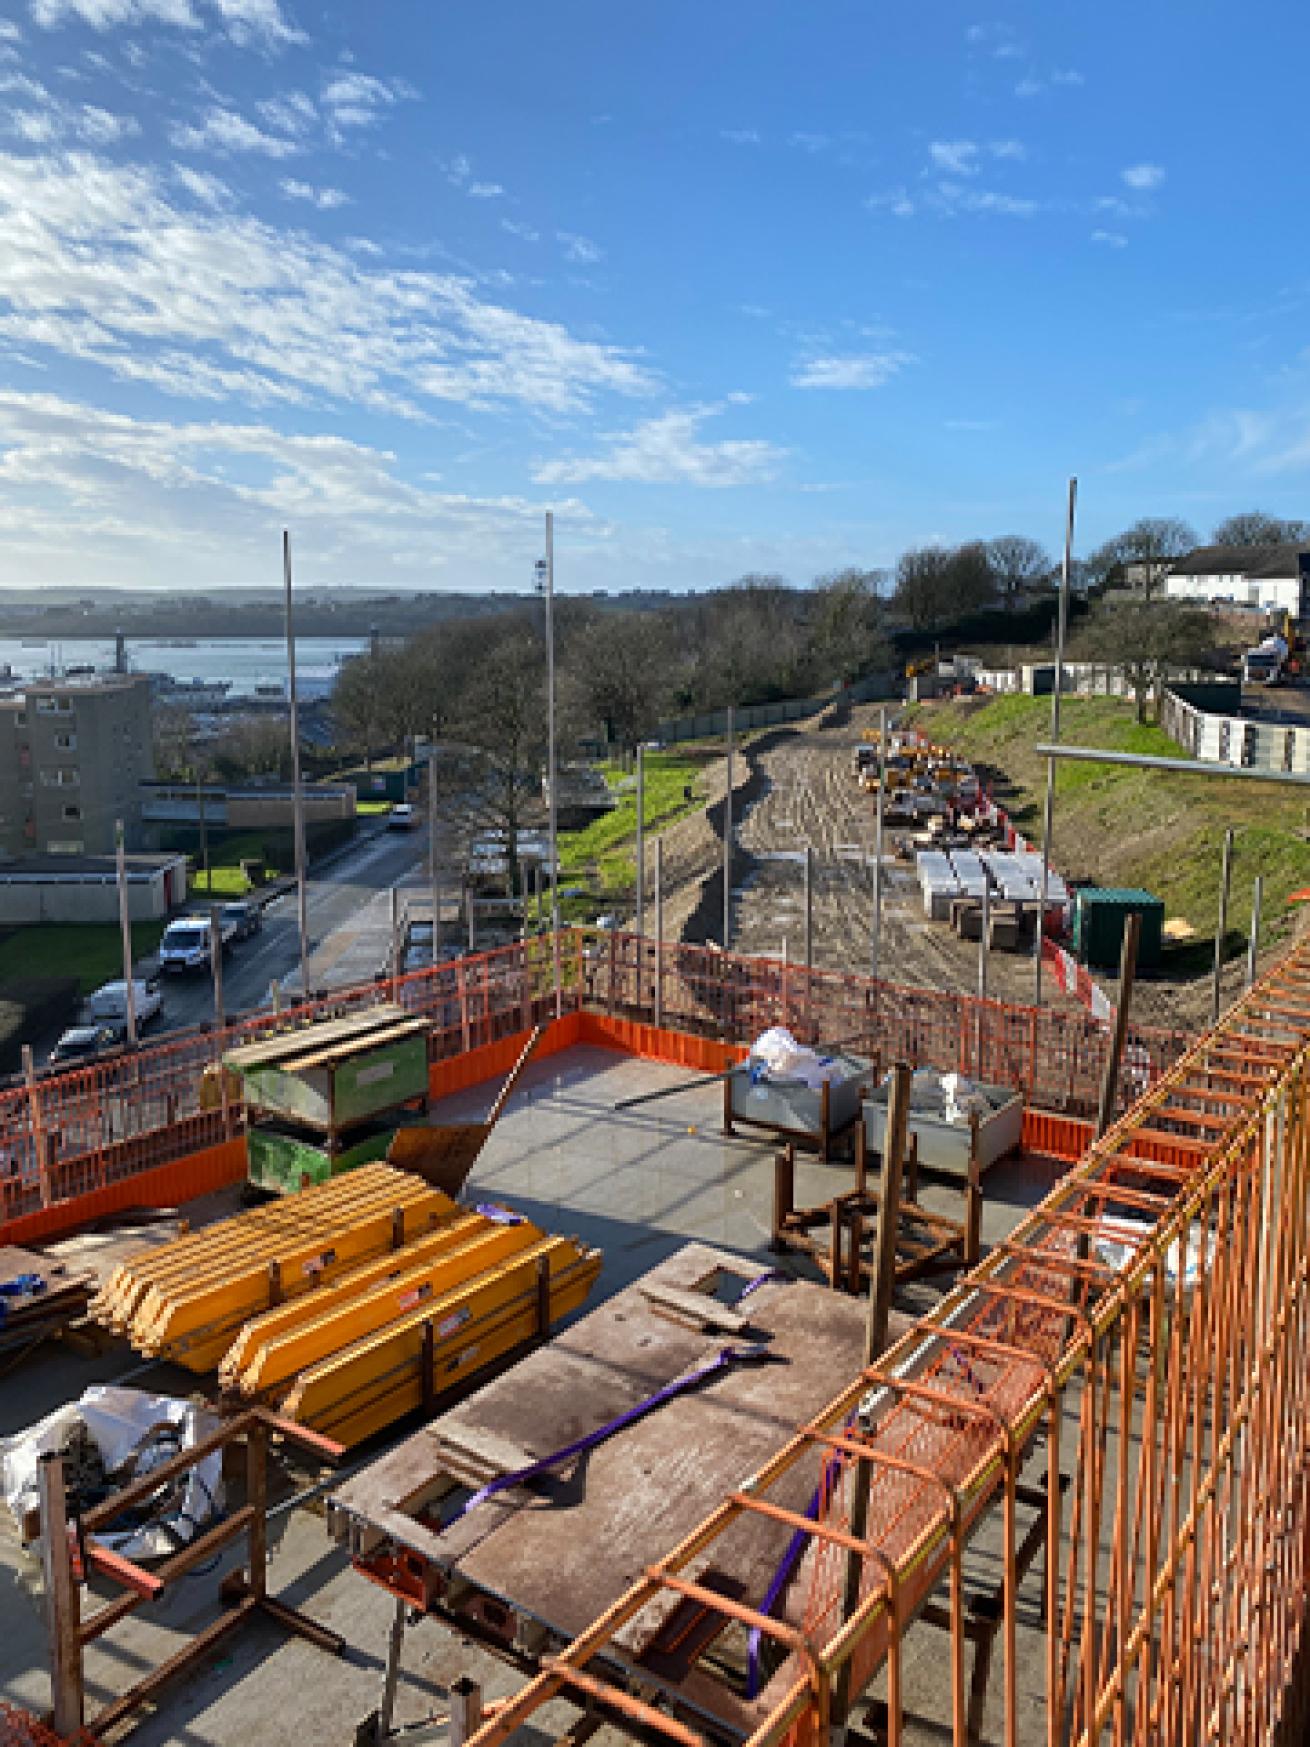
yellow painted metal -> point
(189, 1306)
(273, 1323)
(274, 1363)
(277, 1222)
(377, 1379)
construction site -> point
(615, 1335)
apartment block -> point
(73, 756)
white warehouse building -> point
(1273, 578)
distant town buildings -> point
(73, 756)
(1273, 578)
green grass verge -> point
(225, 878)
(1149, 828)
(604, 852)
(90, 952)
(372, 809)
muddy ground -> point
(795, 787)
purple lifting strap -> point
(725, 1357)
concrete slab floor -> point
(637, 1184)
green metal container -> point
(339, 1073)
(284, 1161)
(1099, 918)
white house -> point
(1273, 578)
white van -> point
(185, 946)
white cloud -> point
(668, 451)
(9, 32)
(869, 370)
(956, 157)
(485, 190)
(811, 142)
(1067, 76)
(1110, 239)
(325, 199)
(200, 185)
(37, 127)
(1142, 177)
(119, 497)
(580, 249)
(224, 131)
(895, 200)
(1029, 87)
(214, 305)
(360, 99)
(517, 229)
(988, 201)
(741, 136)
(291, 113)
(1013, 151)
(245, 21)
(100, 127)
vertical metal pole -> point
(809, 908)
(37, 1124)
(875, 952)
(641, 845)
(881, 1285)
(1221, 927)
(297, 789)
(1127, 973)
(125, 930)
(434, 871)
(984, 942)
(552, 773)
(472, 921)
(727, 840)
(394, 954)
(216, 962)
(204, 835)
(1048, 815)
(659, 930)
(1253, 945)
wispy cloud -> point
(995, 38)
(215, 306)
(1110, 239)
(485, 190)
(813, 143)
(517, 228)
(1033, 84)
(325, 199)
(357, 100)
(865, 370)
(579, 249)
(245, 21)
(668, 450)
(1142, 177)
(897, 201)
(956, 157)
(741, 136)
(225, 132)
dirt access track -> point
(795, 787)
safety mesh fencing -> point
(82, 1128)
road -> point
(347, 906)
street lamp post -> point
(545, 574)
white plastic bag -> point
(785, 1059)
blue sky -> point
(731, 287)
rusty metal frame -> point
(1175, 1580)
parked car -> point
(109, 1002)
(82, 1043)
(402, 817)
(246, 919)
(185, 946)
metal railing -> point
(1136, 1348)
(78, 1130)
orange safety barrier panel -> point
(169, 1185)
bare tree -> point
(922, 586)
(846, 635)
(1255, 528)
(1146, 641)
(1153, 543)
(615, 674)
(1017, 563)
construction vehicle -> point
(1279, 656)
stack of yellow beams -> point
(322, 1302)
(378, 1377)
(189, 1299)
